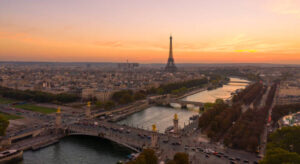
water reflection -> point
(161, 116)
(78, 150)
(219, 93)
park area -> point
(35, 108)
(6, 100)
(9, 116)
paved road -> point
(267, 127)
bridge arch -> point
(70, 132)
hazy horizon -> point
(157, 63)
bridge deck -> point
(184, 102)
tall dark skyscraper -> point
(171, 65)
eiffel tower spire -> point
(171, 65)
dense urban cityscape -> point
(88, 82)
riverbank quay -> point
(14, 148)
(37, 142)
(120, 110)
(31, 140)
(11, 156)
(123, 114)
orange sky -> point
(212, 31)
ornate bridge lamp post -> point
(175, 122)
(88, 110)
(58, 118)
(58, 121)
(154, 136)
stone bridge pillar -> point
(88, 110)
(58, 118)
(154, 137)
(175, 122)
(168, 98)
(183, 105)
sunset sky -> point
(204, 31)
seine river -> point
(78, 150)
(219, 93)
(92, 150)
(161, 116)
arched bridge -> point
(133, 138)
(184, 103)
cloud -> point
(245, 50)
(131, 45)
(112, 44)
(241, 43)
(238, 43)
(286, 7)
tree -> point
(283, 146)
(152, 90)
(179, 158)
(249, 94)
(139, 95)
(109, 105)
(175, 92)
(219, 101)
(181, 86)
(123, 97)
(160, 91)
(171, 162)
(246, 131)
(150, 156)
(37, 96)
(3, 125)
(287, 138)
(279, 156)
(126, 98)
(99, 104)
(208, 105)
(146, 157)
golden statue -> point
(89, 104)
(58, 110)
(154, 127)
(175, 116)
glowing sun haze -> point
(204, 31)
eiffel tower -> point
(171, 65)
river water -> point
(219, 93)
(162, 117)
(92, 150)
(78, 150)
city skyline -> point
(115, 31)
